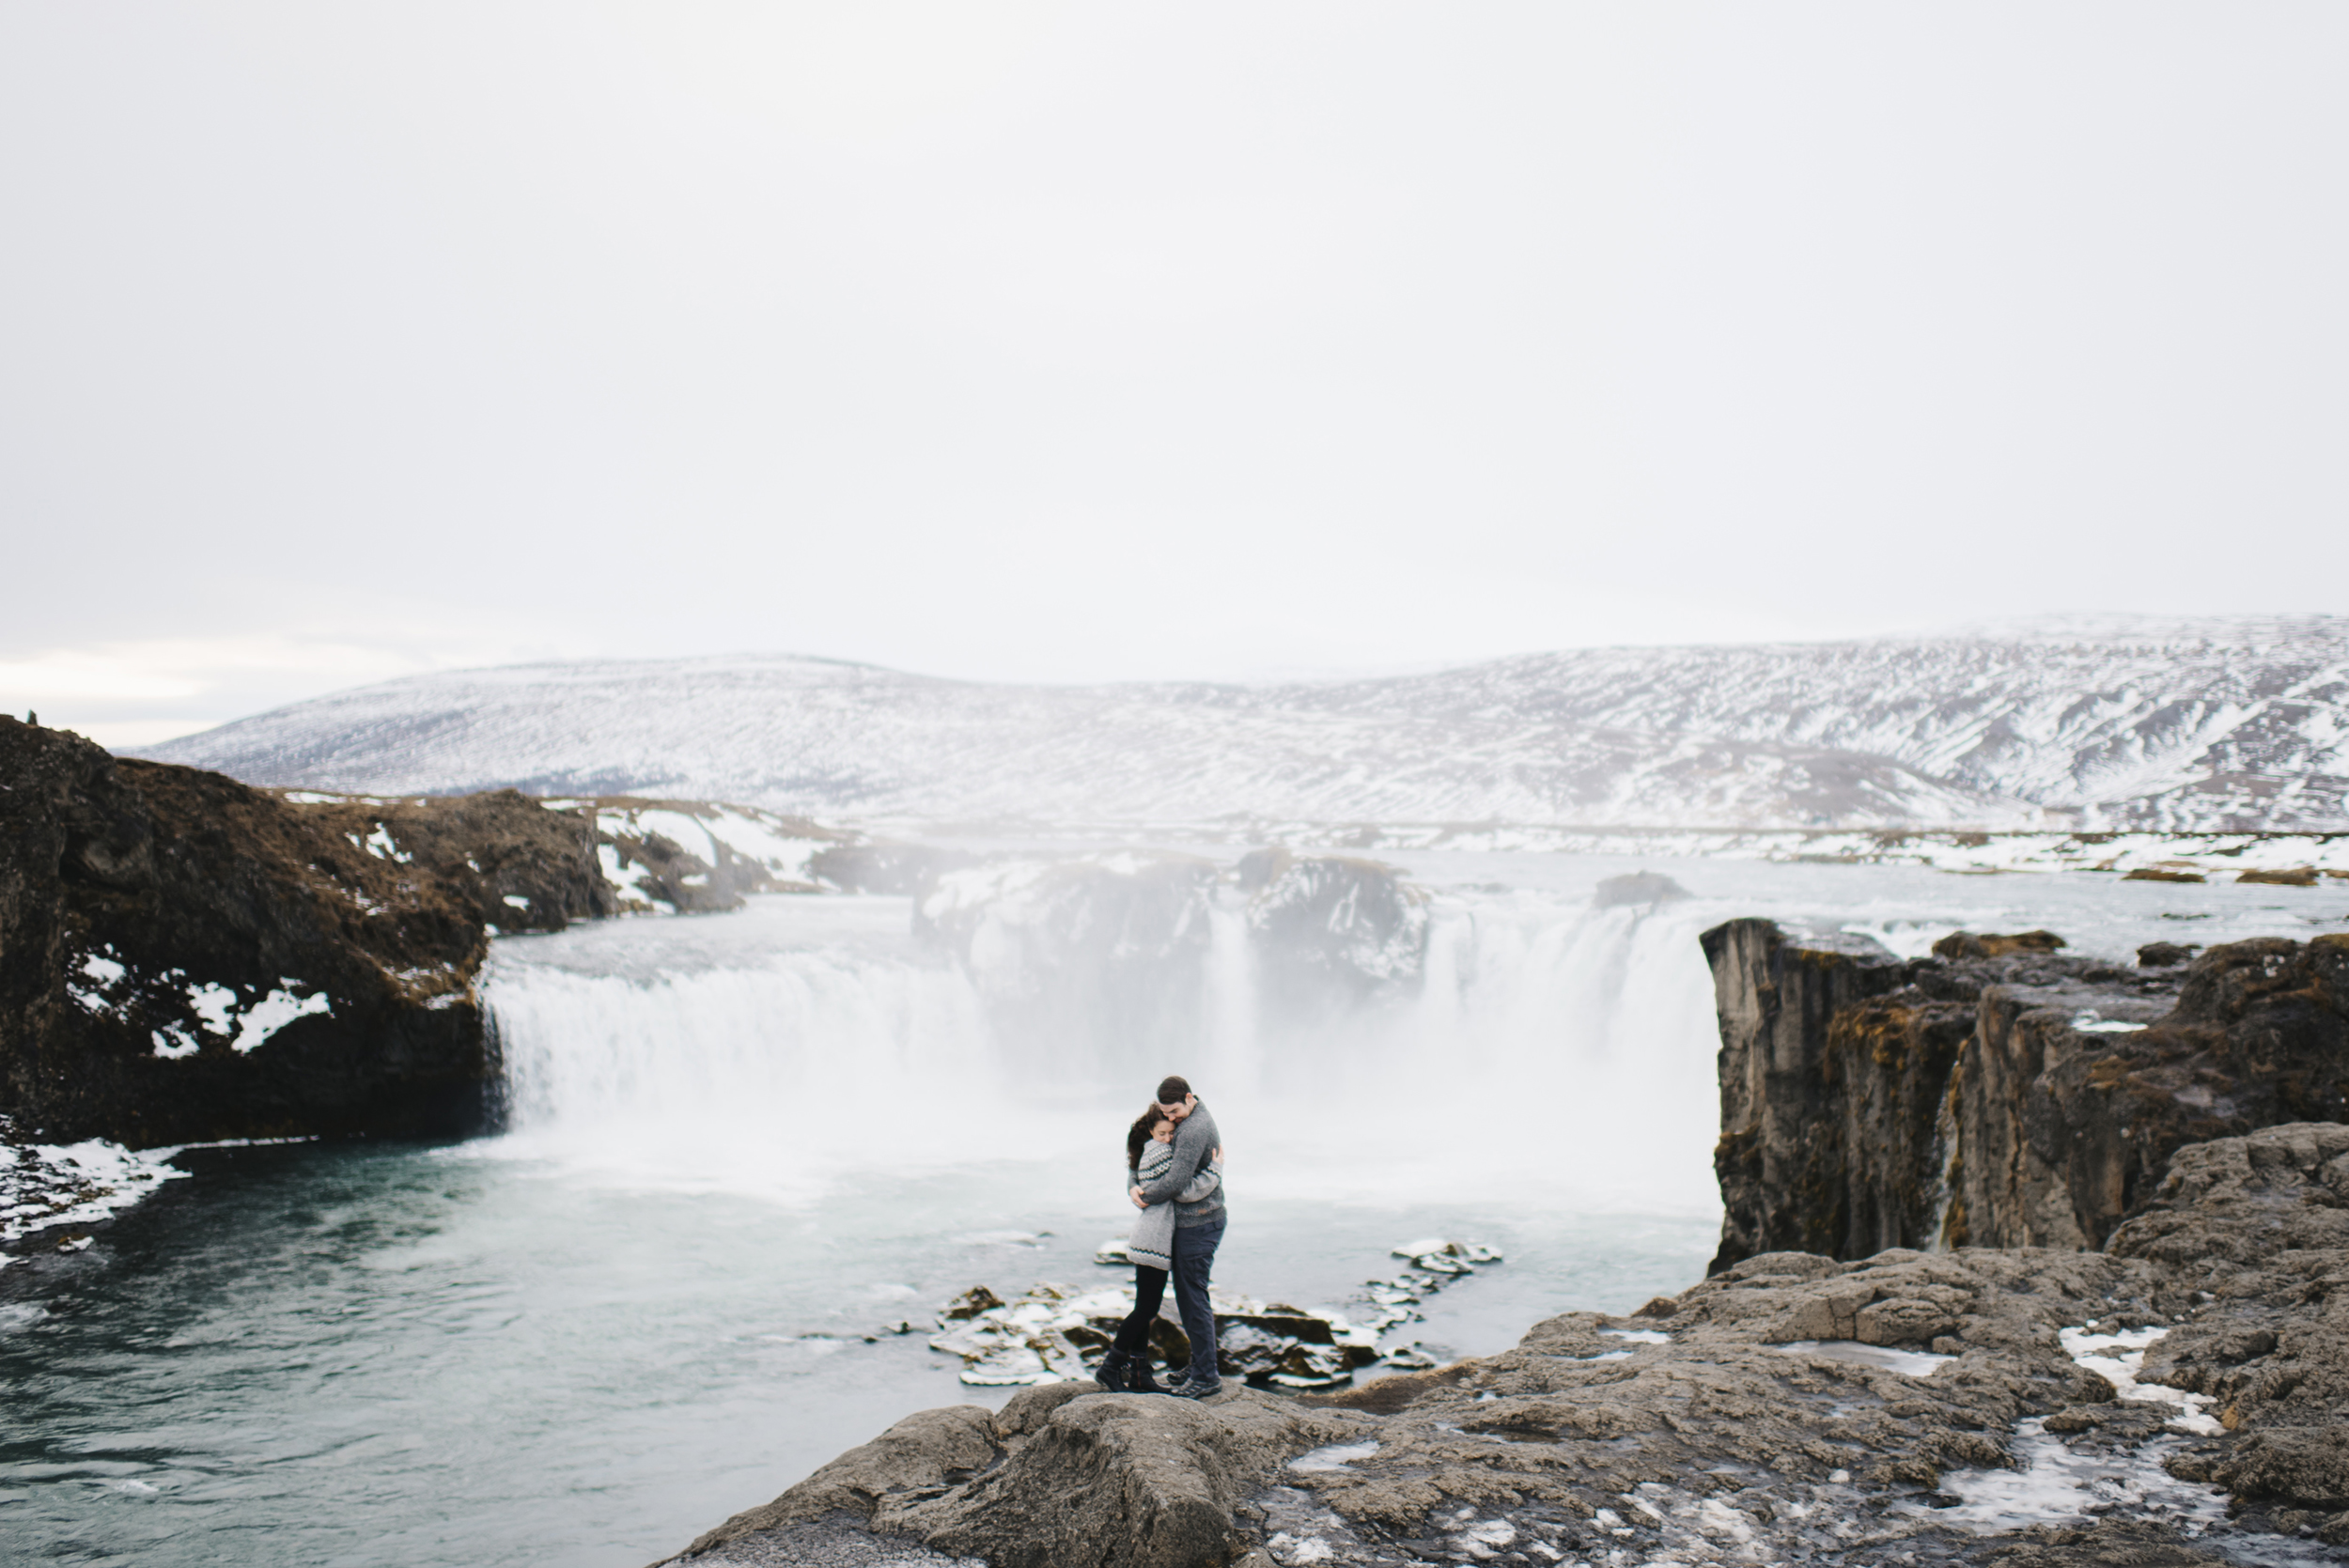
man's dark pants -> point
(1195, 1261)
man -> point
(1198, 1229)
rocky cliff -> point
(184, 959)
(2028, 1407)
(1997, 1094)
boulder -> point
(1064, 1473)
(1329, 931)
(1990, 944)
(1641, 886)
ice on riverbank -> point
(46, 1186)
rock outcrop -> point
(184, 959)
(700, 857)
(2258, 1228)
(1331, 931)
(1790, 1407)
(1079, 950)
(2000, 1094)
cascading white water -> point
(1232, 1061)
(1548, 1043)
(761, 1052)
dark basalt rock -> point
(1331, 930)
(2019, 1099)
(183, 958)
(1068, 953)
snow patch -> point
(273, 1013)
(1638, 1336)
(46, 1185)
(1334, 1457)
(381, 845)
(215, 1004)
(2117, 1358)
(1908, 1363)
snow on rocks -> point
(46, 1186)
(685, 856)
(242, 1018)
(1056, 1332)
(2118, 1357)
(1435, 1263)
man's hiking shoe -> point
(1190, 1388)
(1112, 1374)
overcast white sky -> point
(1075, 342)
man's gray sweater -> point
(1195, 1142)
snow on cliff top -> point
(2094, 721)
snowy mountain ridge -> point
(2092, 723)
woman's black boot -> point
(1113, 1371)
(1137, 1377)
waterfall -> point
(1230, 1056)
(1544, 1045)
(767, 1076)
(1559, 1046)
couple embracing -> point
(1174, 1177)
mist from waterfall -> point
(803, 1043)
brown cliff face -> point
(1870, 1102)
(2066, 1132)
(183, 958)
(1801, 1025)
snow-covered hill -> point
(2238, 723)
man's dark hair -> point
(1171, 1090)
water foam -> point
(1551, 1046)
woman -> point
(1149, 1146)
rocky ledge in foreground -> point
(2176, 1399)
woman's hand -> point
(1140, 1201)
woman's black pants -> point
(1133, 1335)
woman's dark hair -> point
(1139, 1134)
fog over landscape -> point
(1691, 659)
(2125, 723)
(1023, 341)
